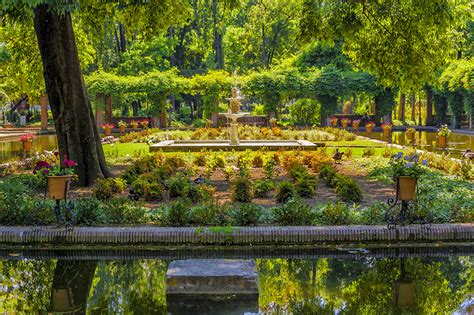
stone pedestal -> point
(212, 286)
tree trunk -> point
(219, 57)
(74, 122)
(401, 113)
(413, 104)
(429, 106)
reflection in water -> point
(12, 150)
(71, 284)
(318, 286)
(457, 143)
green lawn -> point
(123, 150)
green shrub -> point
(149, 190)
(337, 213)
(242, 190)
(202, 193)
(297, 171)
(285, 192)
(375, 214)
(178, 213)
(348, 189)
(306, 186)
(209, 213)
(90, 211)
(124, 210)
(107, 188)
(245, 214)
(257, 161)
(178, 186)
(142, 166)
(328, 173)
(269, 170)
(262, 187)
(292, 213)
(18, 205)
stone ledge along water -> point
(269, 235)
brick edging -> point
(271, 235)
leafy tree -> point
(78, 137)
(402, 42)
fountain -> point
(233, 143)
(233, 114)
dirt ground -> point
(373, 191)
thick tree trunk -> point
(429, 106)
(401, 112)
(76, 129)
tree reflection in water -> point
(318, 286)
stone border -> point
(247, 236)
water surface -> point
(362, 284)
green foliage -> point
(269, 165)
(262, 187)
(292, 213)
(304, 112)
(147, 188)
(338, 213)
(348, 189)
(242, 190)
(18, 205)
(209, 213)
(245, 214)
(124, 210)
(285, 192)
(306, 186)
(178, 186)
(107, 188)
(177, 213)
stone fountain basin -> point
(224, 145)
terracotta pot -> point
(107, 131)
(442, 141)
(344, 124)
(406, 188)
(27, 146)
(386, 133)
(355, 125)
(122, 128)
(58, 186)
(369, 128)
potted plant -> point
(134, 124)
(108, 129)
(333, 121)
(122, 125)
(369, 126)
(345, 122)
(144, 123)
(405, 171)
(387, 128)
(356, 124)
(410, 134)
(27, 140)
(58, 176)
(273, 122)
(443, 134)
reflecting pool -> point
(457, 143)
(12, 149)
(363, 284)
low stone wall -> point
(246, 236)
